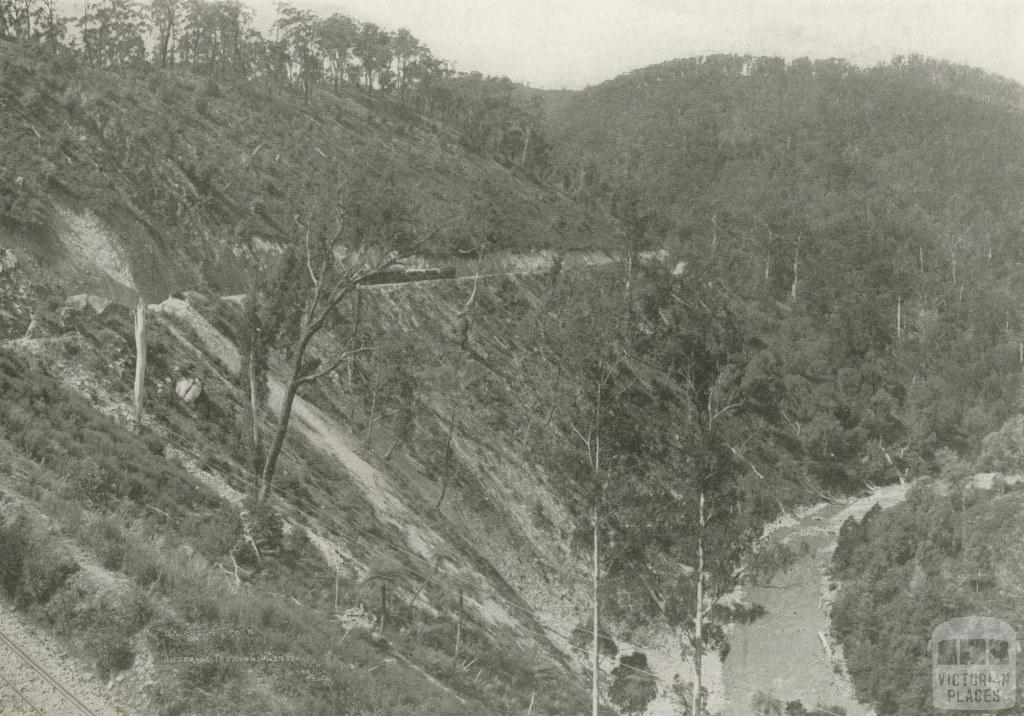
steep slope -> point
(191, 176)
(880, 207)
(459, 523)
(853, 323)
(442, 559)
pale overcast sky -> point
(574, 43)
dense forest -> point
(864, 226)
(872, 217)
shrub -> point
(154, 444)
(71, 101)
(202, 104)
(142, 564)
(212, 535)
(134, 610)
(45, 571)
(32, 565)
(13, 546)
(209, 675)
(111, 651)
(211, 89)
(108, 542)
(65, 609)
(297, 544)
(1003, 450)
(265, 526)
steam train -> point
(409, 275)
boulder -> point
(188, 390)
(8, 261)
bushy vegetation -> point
(1003, 450)
(907, 569)
(99, 462)
(33, 567)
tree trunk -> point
(629, 273)
(899, 318)
(698, 620)
(448, 449)
(140, 362)
(373, 414)
(595, 693)
(254, 411)
(458, 635)
(165, 39)
(270, 464)
(526, 146)
(796, 274)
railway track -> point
(22, 673)
(13, 701)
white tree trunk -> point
(254, 411)
(140, 362)
(595, 655)
(698, 617)
(796, 275)
(899, 318)
(526, 146)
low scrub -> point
(33, 566)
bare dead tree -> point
(330, 277)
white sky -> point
(574, 43)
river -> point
(787, 652)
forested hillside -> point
(209, 156)
(944, 554)
(874, 214)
